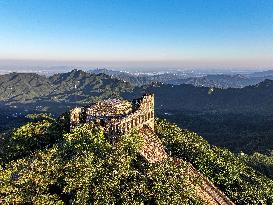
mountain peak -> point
(76, 72)
(264, 84)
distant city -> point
(188, 72)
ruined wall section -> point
(143, 115)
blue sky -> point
(174, 33)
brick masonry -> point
(140, 113)
(120, 117)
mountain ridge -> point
(200, 80)
(217, 114)
(31, 86)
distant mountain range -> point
(266, 73)
(237, 118)
(177, 78)
(79, 87)
(74, 86)
(251, 99)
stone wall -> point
(154, 152)
(152, 149)
(75, 116)
(141, 115)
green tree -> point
(83, 167)
(240, 182)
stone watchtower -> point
(121, 116)
(144, 106)
(117, 116)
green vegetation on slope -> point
(72, 87)
(246, 133)
(241, 183)
(262, 163)
(42, 163)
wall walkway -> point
(153, 151)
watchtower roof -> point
(109, 107)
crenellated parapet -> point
(117, 116)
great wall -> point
(117, 116)
(120, 117)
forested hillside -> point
(41, 162)
(72, 87)
(255, 99)
(240, 182)
(25, 93)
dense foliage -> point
(260, 162)
(44, 164)
(248, 133)
(240, 182)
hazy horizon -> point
(126, 66)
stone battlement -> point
(121, 116)
(117, 116)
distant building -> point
(116, 116)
